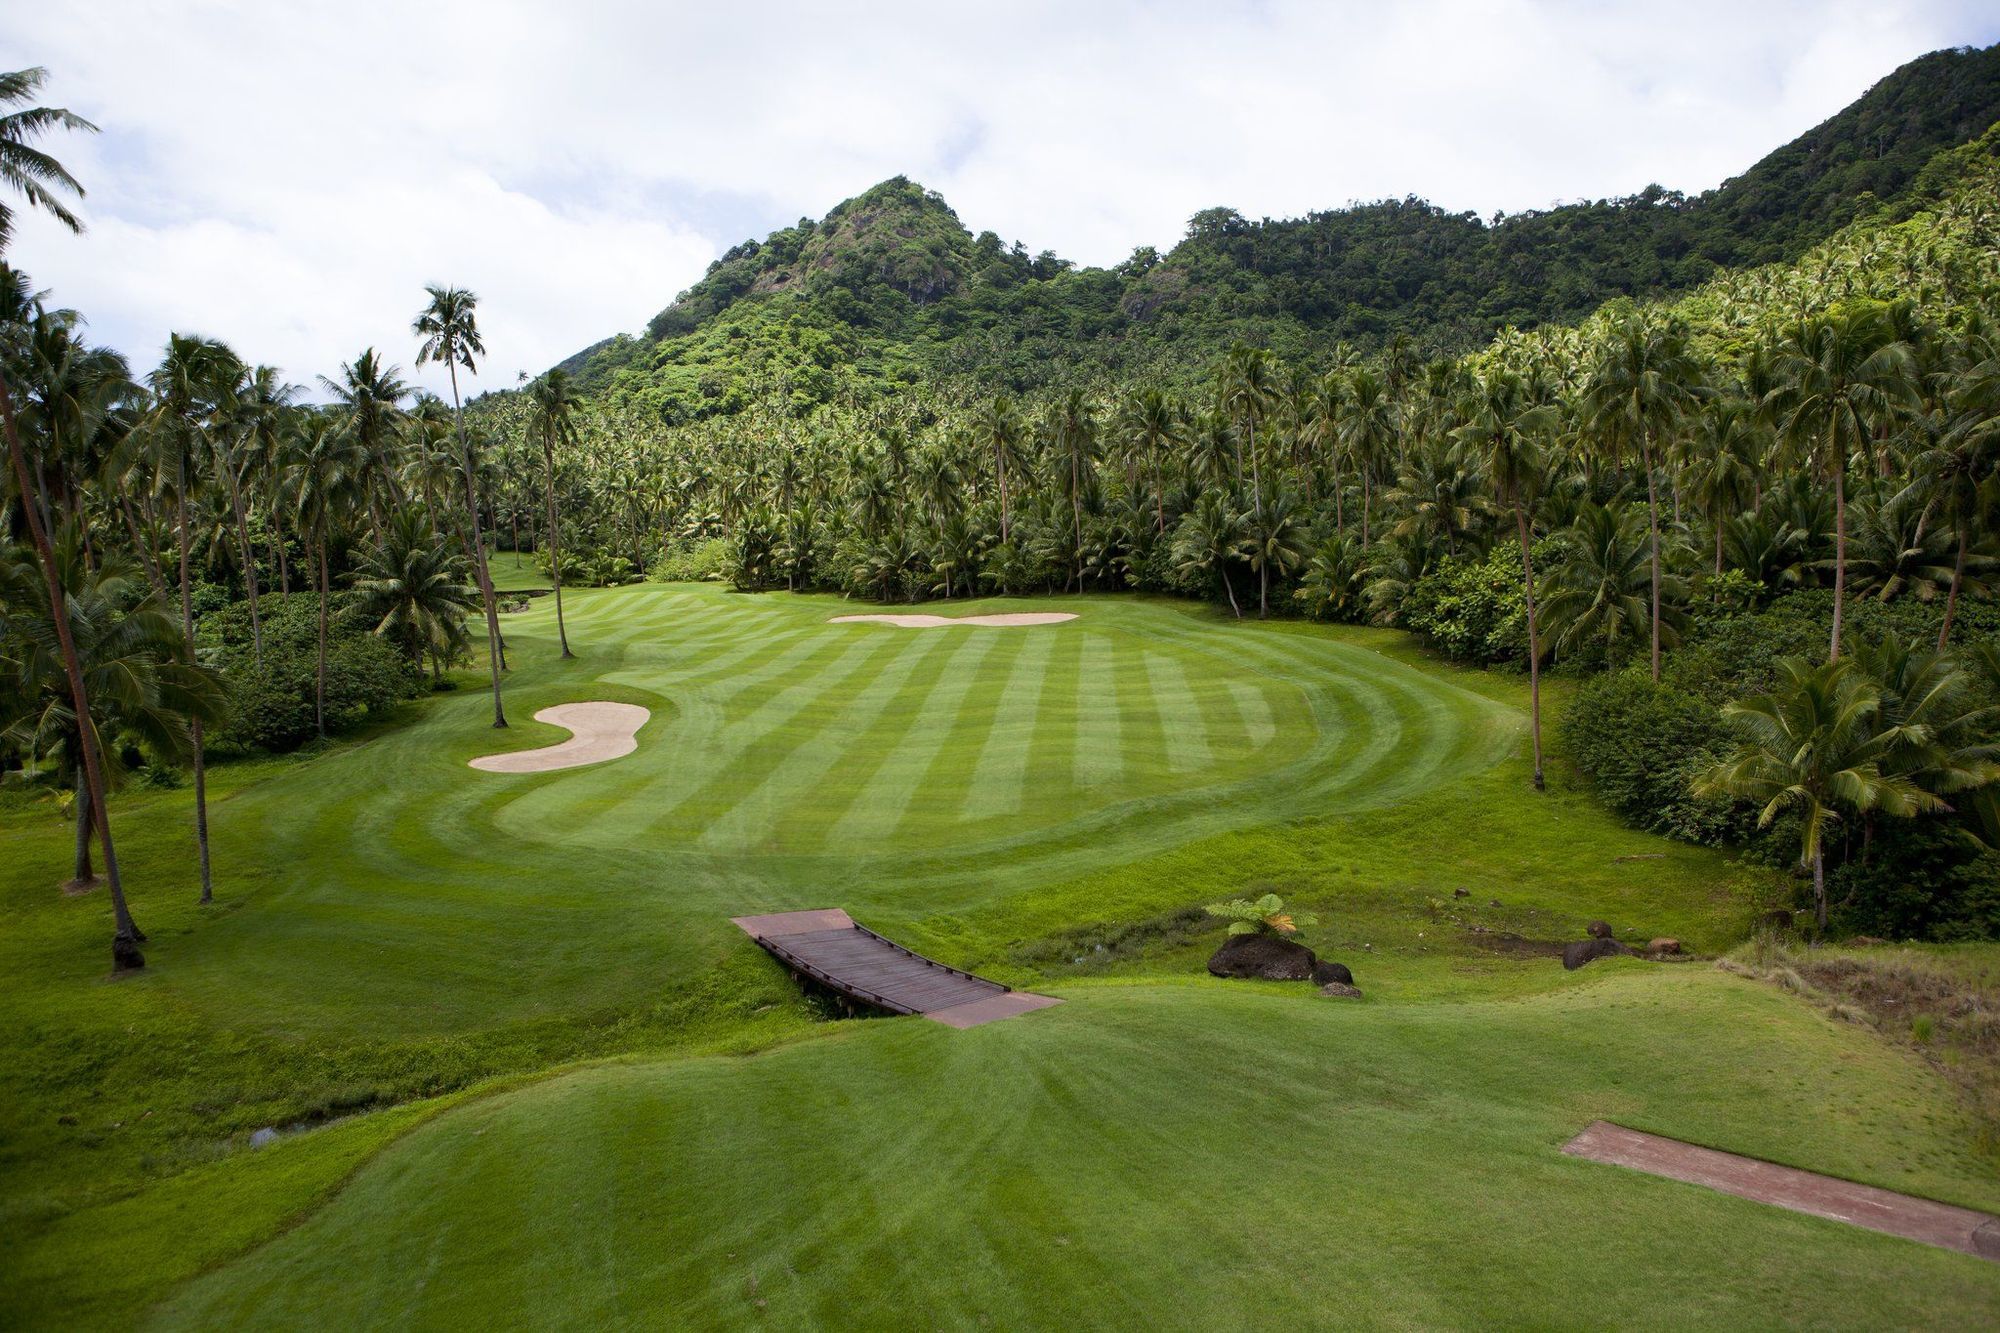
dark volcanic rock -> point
(1265, 956)
(1598, 930)
(1579, 952)
(1326, 971)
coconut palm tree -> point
(1209, 537)
(25, 170)
(1644, 382)
(1367, 428)
(449, 328)
(1600, 588)
(42, 181)
(1152, 430)
(1502, 420)
(194, 390)
(328, 470)
(1814, 746)
(368, 400)
(134, 662)
(411, 590)
(1275, 539)
(1955, 467)
(552, 416)
(999, 430)
(1845, 376)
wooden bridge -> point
(826, 946)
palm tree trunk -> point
(1000, 463)
(153, 574)
(1229, 591)
(84, 872)
(126, 935)
(1653, 531)
(1534, 643)
(278, 546)
(1819, 889)
(1365, 505)
(1957, 578)
(479, 553)
(319, 666)
(1839, 558)
(1718, 544)
(194, 724)
(249, 567)
(555, 545)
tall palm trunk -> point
(1534, 641)
(139, 544)
(319, 664)
(1229, 591)
(555, 542)
(278, 548)
(479, 552)
(1957, 580)
(1839, 554)
(249, 565)
(85, 873)
(126, 935)
(1000, 471)
(194, 723)
(1653, 536)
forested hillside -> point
(890, 288)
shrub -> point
(1472, 610)
(1265, 916)
(1642, 744)
(1919, 879)
(703, 562)
(272, 703)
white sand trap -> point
(932, 622)
(601, 731)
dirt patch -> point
(1509, 945)
(912, 621)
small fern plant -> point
(1264, 916)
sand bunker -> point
(932, 622)
(602, 731)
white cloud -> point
(288, 176)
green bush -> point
(272, 702)
(1919, 879)
(1642, 745)
(1472, 610)
(703, 562)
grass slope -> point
(1044, 804)
(1151, 1157)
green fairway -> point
(1039, 803)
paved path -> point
(829, 947)
(1903, 1215)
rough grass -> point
(392, 926)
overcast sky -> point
(287, 176)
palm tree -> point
(369, 398)
(1816, 746)
(328, 473)
(1276, 541)
(1367, 427)
(1954, 468)
(999, 429)
(1644, 382)
(26, 170)
(449, 328)
(133, 659)
(256, 419)
(41, 180)
(1502, 420)
(1073, 433)
(194, 389)
(1249, 386)
(1152, 429)
(1209, 537)
(552, 413)
(1599, 589)
(411, 590)
(1844, 375)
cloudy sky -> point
(287, 176)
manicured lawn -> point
(1154, 1156)
(393, 926)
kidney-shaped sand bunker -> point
(600, 730)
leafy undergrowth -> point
(1941, 1000)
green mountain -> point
(891, 289)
